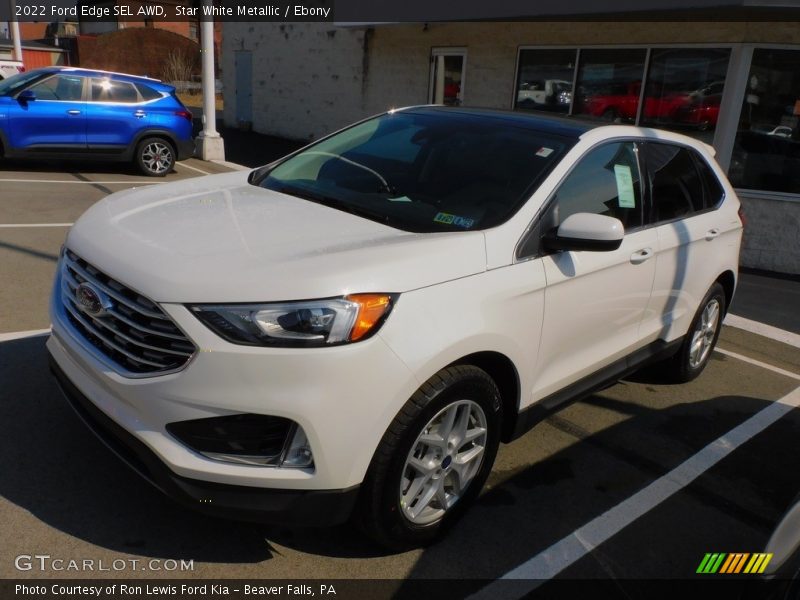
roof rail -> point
(110, 73)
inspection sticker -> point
(449, 219)
(625, 196)
(544, 152)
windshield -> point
(13, 84)
(423, 172)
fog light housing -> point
(246, 439)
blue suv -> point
(59, 112)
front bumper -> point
(291, 507)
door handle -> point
(139, 114)
(73, 112)
(711, 234)
(642, 255)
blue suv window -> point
(147, 92)
(105, 90)
(66, 88)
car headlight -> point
(307, 323)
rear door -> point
(116, 113)
(684, 201)
(55, 120)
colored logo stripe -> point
(736, 562)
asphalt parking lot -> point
(599, 490)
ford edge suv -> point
(353, 329)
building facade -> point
(735, 85)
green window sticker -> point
(625, 196)
(448, 219)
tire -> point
(392, 508)
(609, 114)
(699, 341)
(155, 157)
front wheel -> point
(155, 157)
(695, 351)
(433, 460)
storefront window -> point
(609, 84)
(684, 89)
(544, 81)
(766, 153)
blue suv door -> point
(116, 114)
(54, 118)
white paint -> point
(550, 562)
(758, 363)
(232, 165)
(133, 183)
(18, 335)
(193, 168)
(773, 333)
(15, 225)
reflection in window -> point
(544, 81)
(64, 88)
(609, 84)
(448, 70)
(605, 182)
(105, 90)
(766, 153)
(684, 89)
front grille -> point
(134, 333)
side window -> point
(106, 90)
(676, 188)
(605, 182)
(147, 92)
(66, 88)
(712, 188)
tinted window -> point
(105, 90)
(147, 92)
(66, 88)
(605, 182)
(609, 84)
(711, 185)
(544, 80)
(677, 190)
(423, 171)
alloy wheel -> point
(704, 333)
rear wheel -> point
(695, 351)
(155, 157)
(433, 460)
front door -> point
(448, 67)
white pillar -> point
(15, 37)
(211, 146)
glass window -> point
(105, 90)
(544, 80)
(684, 89)
(605, 182)
(66, 88)
(423, 171)
(766, 152)
(147, 92)
(676, 188)
(609, 84)
(711, 185)
(447, 77)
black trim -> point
(538, 412)
(553, 241)
(262, 505)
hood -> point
(219, 239)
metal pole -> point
(211, 144)
(15, 37)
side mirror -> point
(26, 96)
(586, 231)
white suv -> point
(353, 329)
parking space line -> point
(773, 333)
(80, 182)
(550, 562)
(13, 225)
(18, 335)
(758, 363)
(193, 168)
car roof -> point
(117, 76)
(570, 127)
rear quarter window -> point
(147, 92)
(677, 190)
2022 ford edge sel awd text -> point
(354, 329)
(61, 112)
